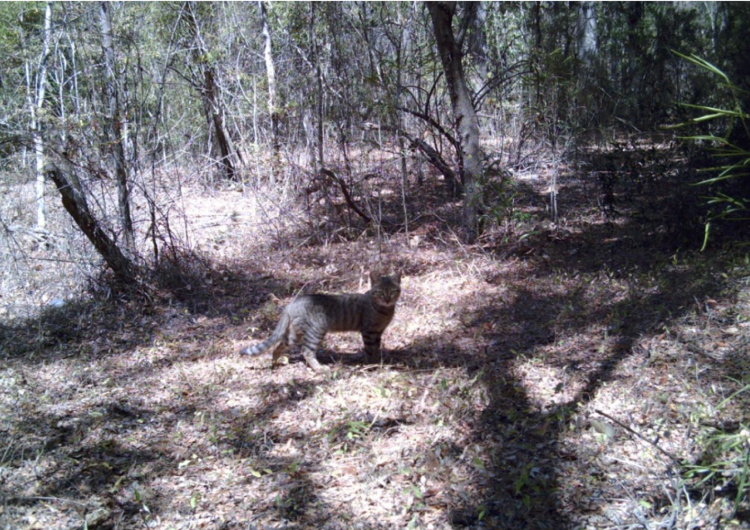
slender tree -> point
(210, 90)
(586, 32)
(37, 111)
(319, 79)
(449, 47)
(116, 133)
(271, 77)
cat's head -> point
(385, 289)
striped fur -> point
(310, 317)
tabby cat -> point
(311, 316)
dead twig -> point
(639, 435)
(55, 499)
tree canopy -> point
(187, 84)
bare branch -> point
(639, 435)
(348, 198)
(431, 121)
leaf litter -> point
(482, 413)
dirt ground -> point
(551, 375)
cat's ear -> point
(374, 277)
(397, 277)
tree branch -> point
(436, 160)
(431, 121)
(330, 174)
(496, 81)
(470, 11)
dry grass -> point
(482, 413)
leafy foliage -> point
(731, 150)
(725, 460)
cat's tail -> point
(271, 342)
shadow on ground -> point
(592, 293)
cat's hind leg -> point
(311, 339)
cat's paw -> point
(281, 361)
(373, 359)
(320, 369)
(313, 363)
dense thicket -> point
(122, 96)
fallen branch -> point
(639, 435)
(38, 498)
(75, 204)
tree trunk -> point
(211, 98)
(586, 32)
(321, 159)
(478, 42)
(36, 119)
(116, 128)
(319, 77)
(401, 43)
(214, 111)
(464, 114)
(271, 75)
(75, 204)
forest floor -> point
(555, 376)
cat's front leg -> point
(372, 348)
